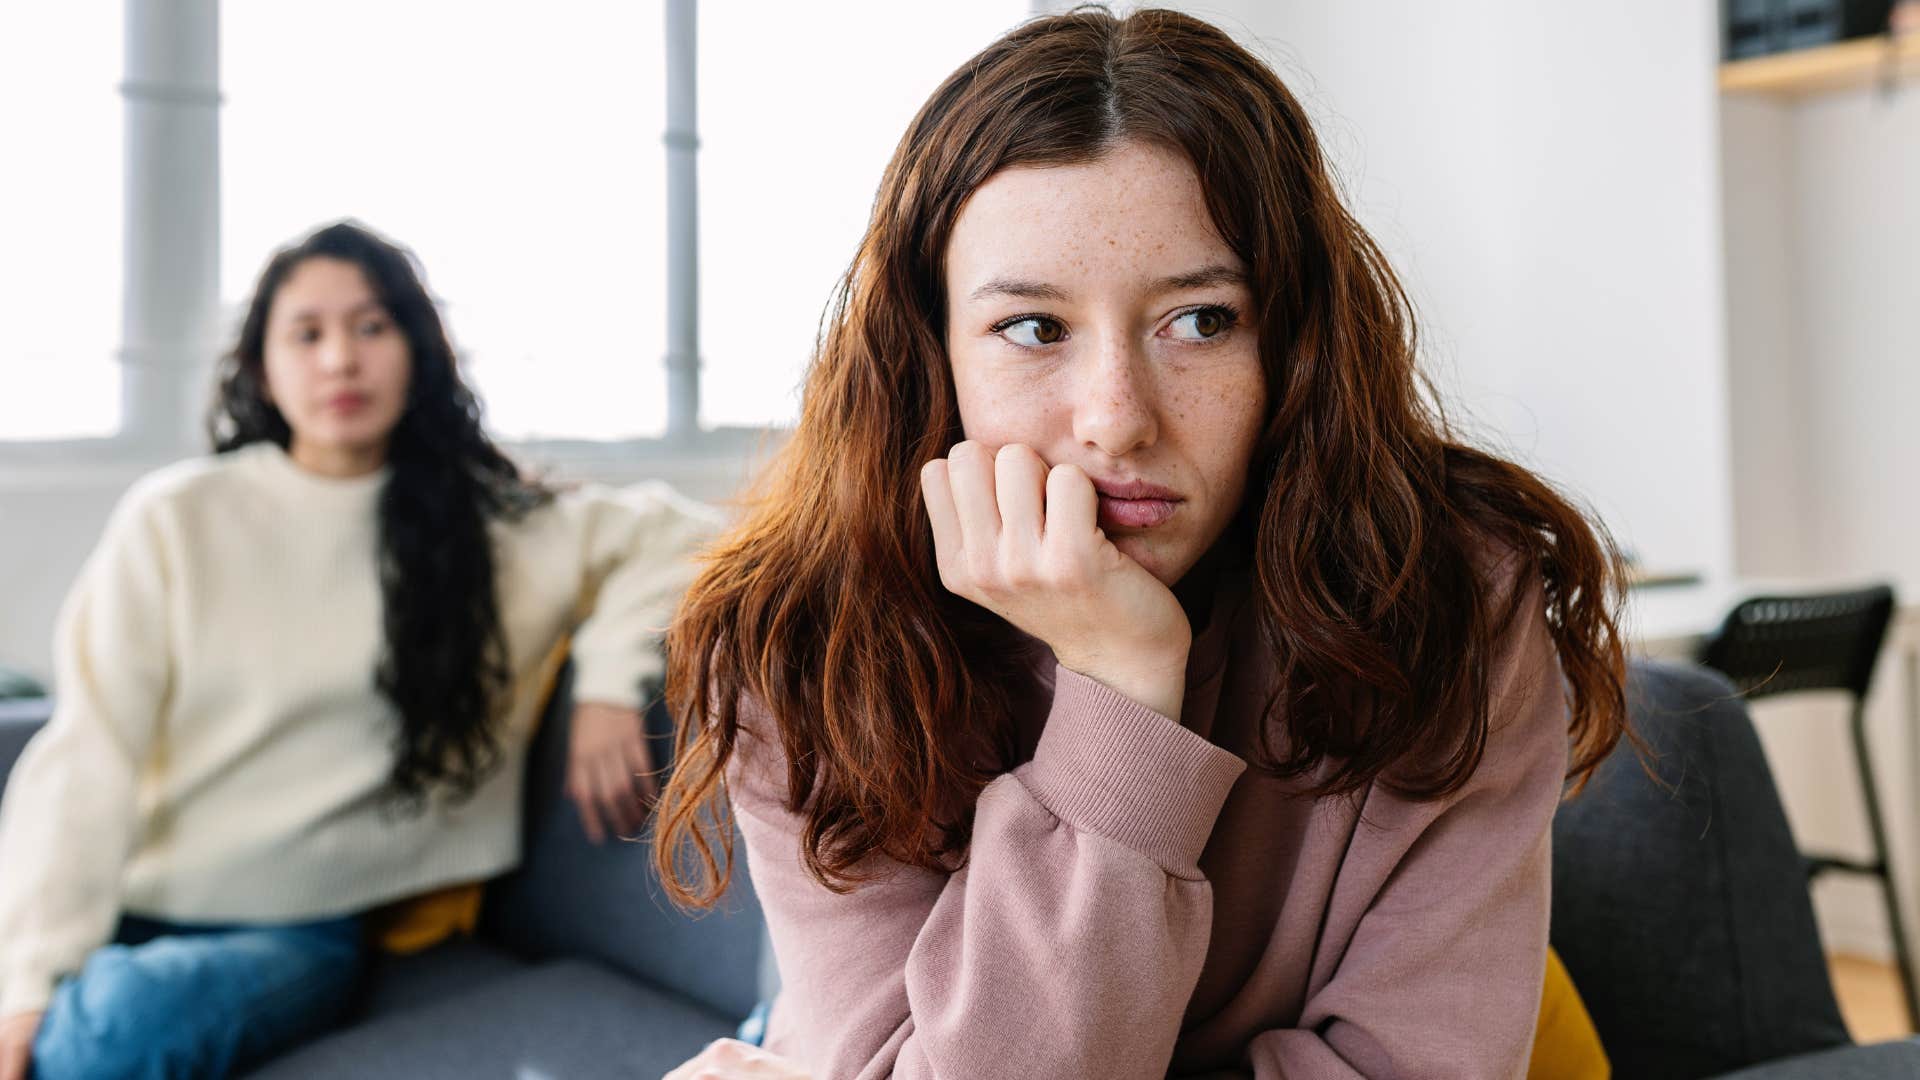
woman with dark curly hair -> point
(1125, 672)
(297, 682)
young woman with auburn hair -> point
(1124, 672)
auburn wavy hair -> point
(1370, 524)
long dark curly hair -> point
(1370, 519)
(443, 661)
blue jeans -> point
(753, 1030)
(166, 1000)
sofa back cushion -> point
(572, 898)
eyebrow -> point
(1019, 289)
(359, 308)
(1024, 289)
(1205, 277)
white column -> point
(169, 331)
(683, 224)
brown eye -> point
(1032, 331)
(1202, 324)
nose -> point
(1115, 411)
(339, 353)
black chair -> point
(1788, 644)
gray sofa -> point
(1679, 907)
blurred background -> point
(1667, 252)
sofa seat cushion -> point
(566, 1020)
(449, 969)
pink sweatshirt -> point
(1136, 903)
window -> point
(800, 108)
(60, 65)
(518, 152)
(515, 148)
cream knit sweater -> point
(218, 751)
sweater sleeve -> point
(637, 548)
(1441, 974)
(66, 829)
(1068, 944)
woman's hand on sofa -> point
(610, 773)
(16, 1044)
(731, 1059)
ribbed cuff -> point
(611, 680)
(1109, 765)
(24, 991)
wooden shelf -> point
(1842, 66)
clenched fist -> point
(1024, 541)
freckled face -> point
(1096, 316)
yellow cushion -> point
(412, 925)
(1565, 1045)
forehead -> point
(322, 285)
(1137, 212)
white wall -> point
(1823, 285)
(1545, 177)
(1823, 270)
(1768, 425)
(1856, 242)
(49, 522)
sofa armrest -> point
(19, 719)
(1880, 1061)
(1679, 903)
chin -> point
(1167, 567)
(354, 441)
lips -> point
(348, 402)
(1135, 504)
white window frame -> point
(170, 329)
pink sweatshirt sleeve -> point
(1066, 947)
(1437, 930)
